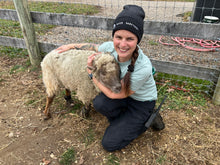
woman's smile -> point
(123, 50)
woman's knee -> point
(99, 102)
(103, 104)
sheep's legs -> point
(68, 98)
(47, 110)
(85, 110)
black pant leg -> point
(128, 126)
(111, 108)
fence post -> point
(28, 31)
(216, 96)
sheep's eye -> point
(104, 73)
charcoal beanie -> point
(131, 18)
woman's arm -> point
(111, 94)
(81, 46)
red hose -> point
(207, 45)
(173, 87)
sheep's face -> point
(109, 75)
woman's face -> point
(125, 43)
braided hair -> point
(127, 77)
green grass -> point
(16, 68)
(10, 28)
(185, 83)
(153, 42)
(16, 53)
(181, 100)
(77, 106)
(187, 15)
(183, 92)
(68, 157)
(88, 137)
(161, 159)
(112, 159)
(54, 7)
(13, 29)
(13, 52)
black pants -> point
(127, 118)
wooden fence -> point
(205, 31)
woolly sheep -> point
(68, 69)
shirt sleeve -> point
(106, 47)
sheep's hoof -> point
(48, 116)
(70, 103)
(85, 112)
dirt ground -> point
(26, 139)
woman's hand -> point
(64, 48)
(90, 59)
(81, 46)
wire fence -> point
(156, 10)
(159, 47)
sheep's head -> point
(107, 71)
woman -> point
(128, 110)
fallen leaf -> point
(81, 161)
(46, 162)
(188, 98)
(170, 90)
(53, 156)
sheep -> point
(68, 69)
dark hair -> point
(127, 81)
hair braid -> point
(127, 81)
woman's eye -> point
(130, 39)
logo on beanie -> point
(131, 24)
(116, 24)
(125, 23)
